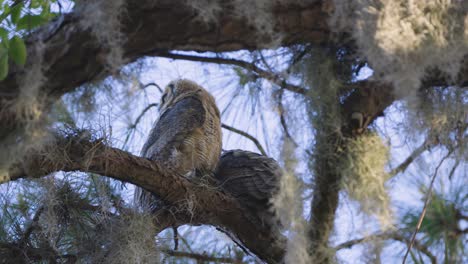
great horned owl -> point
(252, 179)
(186, 139)
(363, 105)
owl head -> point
(177, 90)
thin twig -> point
(405, 164)
(137, 120)
(15, 3)
(152, 84)
(264, 61)
(176, 238)
(284, 125)
(32, 254)
(270, 76)
(388, 235)
(27, 233)
(283, 119)
(247, 135)
(235, 240)
(452, 171)
(301, 55)
(426, 203)
(199, 257)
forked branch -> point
(210, 206)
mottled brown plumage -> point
(251, 178)
(186, 139)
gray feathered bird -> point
(186, 138)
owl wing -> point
(174, 125)
(250, 177)
(168, 133)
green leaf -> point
(17, 50)
(3, 63)
(5, 12)
(31, 21)
(34, 4)
(3, 34)
(16, 13)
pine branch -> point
(210, 206)
(268, 75)
(388, 236)
(426, 203)
(247, 135)
(405, 164)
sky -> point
(112, 119)
(222, 83)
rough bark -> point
(370, 99)
(73, 56)
(200, 205)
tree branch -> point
(147, 108)
(247, 135)
(137, 120)
(27, 233)
(15, 254)
(145, 26)
(78, 152)
(268, 75)
(385, 236)
(284, 125)
(416, 153)
(426, 203)
(72, 55)
(371, 99)
(199, 257)
(144, 86)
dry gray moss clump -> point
(402, 39)
(289, 208)
(103, 19)
(442, 114)
(364, 176)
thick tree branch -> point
(73, 55)
(200, 205)
(369, 98)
